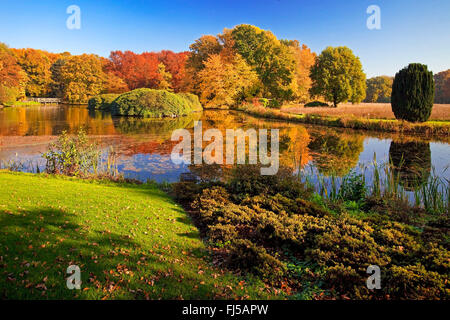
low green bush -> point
(192, 100)
(151, 103)
(266, 223)
(316, 103)
(102, 101)
(245, 255)
(273, 103)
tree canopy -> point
(442, 83)
(338, 76)
(379, 89)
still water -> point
(144, 145)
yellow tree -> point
(37, 65)
(82, 78)
(304, 60)
(12, 77)
(165, 78)
(222, 83)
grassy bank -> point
(22, 104)
(430, 128)
(130, 241)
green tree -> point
(379, 89)
(272, 60)
(338, 76)
(413, 93)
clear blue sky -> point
(411, 30)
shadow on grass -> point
(37, 246)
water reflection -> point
(411, 162)
(144, 146)
(336, 153)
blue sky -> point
(411, 30)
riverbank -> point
(22, 104)
(440, 112)
(429, 128)
(131, 241)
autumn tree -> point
(57, 81)
(304, 60)
(338, 76)
(37, 64)
(201, 50)
(113, 83)
(137, 70)
(82, 77)
(12, 77)
(379, 89)
(442, 83)
(222, 83)
(165, 78)
(175, 65)
(272, 60)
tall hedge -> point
(413, 93)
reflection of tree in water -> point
(294, 147)
(336, 153)
(411, 161)
(161, 127)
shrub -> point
(150, 103)
(245, 255)
(192, 100)
(185, 191)
(273, 103)
(247, 180)
(264, 102)
(413, 93)
(415, 282)
(102, 101)
(316, 103)
(267, 223)
(72, 155)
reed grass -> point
(432, 195)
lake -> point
(143, 146)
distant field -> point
(365, 110)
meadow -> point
(441, 112)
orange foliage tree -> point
(37, 64)
(82, 77)
(442, 83)
(174, 64)
(137, 70)
(12, 77)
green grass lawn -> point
(130, 242)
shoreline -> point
(437, 129)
